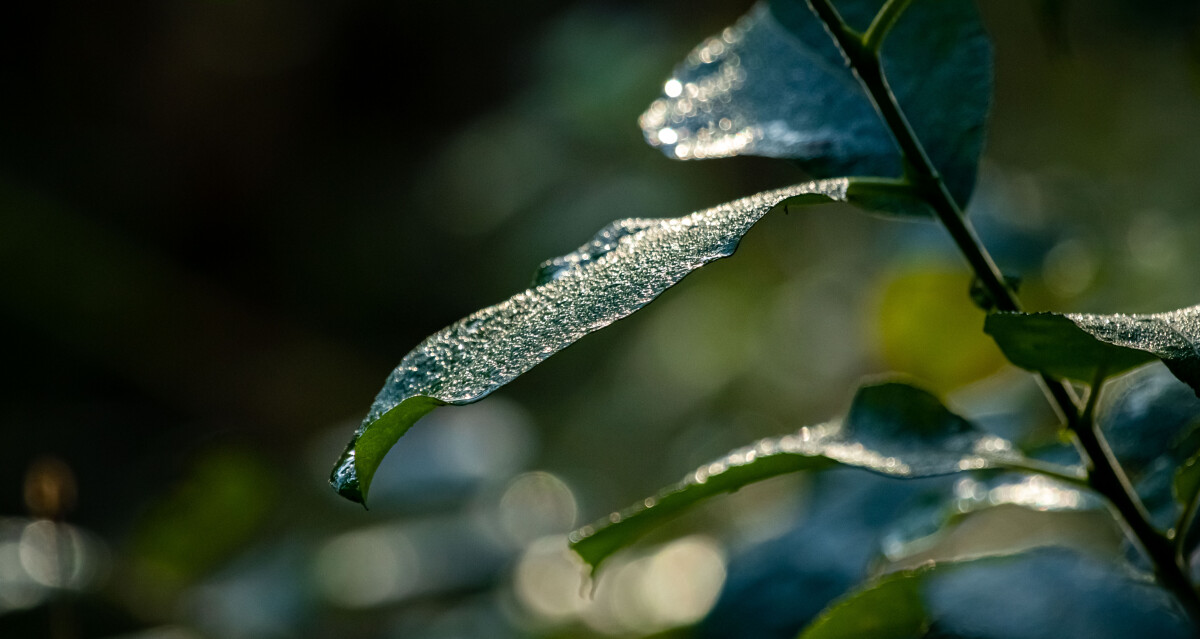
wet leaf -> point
(1013, 597)
(1074, 346)
(774, 84)
(892, 429)
(627, 265)
(925, 526)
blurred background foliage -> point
(223, 222)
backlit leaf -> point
(627, 265)
(892, 429)
(774, 84)
(1074, 346)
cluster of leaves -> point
(776, 84)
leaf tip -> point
(345, 479)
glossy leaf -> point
(1074, 346)
(775, 84)
(628, 264)
(1013, 597)
(892, 429)
(777, 587)
(923, 527)
(1151, 421)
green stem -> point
(1105, 475)
(883, 23)
(1107, 478)
(1089, 410)
(1183, 527)
(1053, 471)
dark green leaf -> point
(1075, 346)
(887, 195)
(1013, 597)
(891, 608)
(892, 429)
(775, 85)
(1152, 422)
(629, 264)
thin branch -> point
(1184, 526)
(882, 24)
(1093, 399)
(1053, 471)
(1105, 475)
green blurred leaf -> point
(775, 84)
(890, 608)
(930, 330)
(1021, 595)
(622, 269)
(220, 504)
(892, 429)
(1076, 346)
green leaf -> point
(923, 527)
(1076, 346)
(628, 264)
(1007, 597)
(892, 429)
(1152, 423)
(890, 608)
(776, 85)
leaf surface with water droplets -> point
(622, 269)
(892, 429)
(1074, 346)
(774, 84)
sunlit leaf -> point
(926, 526)
(1014, 597)
(1074, 346)
(775, 84)
(892, 429)
(628, 264)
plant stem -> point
(882, 24)
(1105, 475)
(1183, 528)
(1052, 471)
